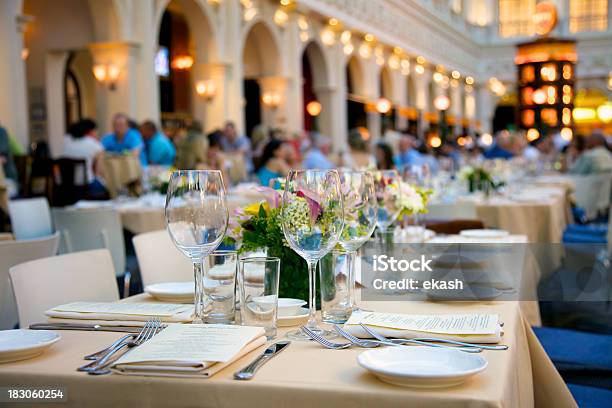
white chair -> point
(30, 218)
(44, 283)
(86, 229)
(13, 253)
(458, 210)
(159, 260)
(592, 192)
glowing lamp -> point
(539, 96)
(567, 134)
(206, 88)
(486, 139)
(532, 134)
(604, 112)
(182, 62)
(442, 102)
(314, 108)
(435, 141)
(383, 106)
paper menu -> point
(123, 308)
(461, 324)
(193, 345)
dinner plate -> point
(421, 367)
(172, 291)
(22, 344)
(296, 319)
(484, 233)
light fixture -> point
(328, 37)
(497, 87)
(604, 112)
(206, 89)
(25, 53)
(249, 13)
(393, 62)
(469, 80)
(348, 49)
(419, 69)
(435, 141)
(567, 134)
(271, 99)
(345, 37)
(285, 2)
(456, 74)
(441, 102)
(405, 64)
(383, 106)
(281, 17)
(369, 37)
(539, 96)
(303, 23)
(107, 74)
(486, 139)
(532, 134)
(304, 36)
(182, 62)
(420, 60)
(333, 22)
(314, 108)
(461, 141)
(584, 114)
(365, 50)
(437, 77)
(246, 3)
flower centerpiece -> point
(413, 199)
(480, 179)
(258, 226)
(158, 178)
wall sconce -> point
(314, 108)
(271, 99)
(442, 102)
(281, 17)
(383, 106)
(182, 62)
(206, 89)
(328, 37)
(107, 74)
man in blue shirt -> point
(158, 147)
(316, 157)
(408, 155)
(502, 148)
(234, 143)
(124, 139)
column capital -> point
(103, 51)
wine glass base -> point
(301, 336)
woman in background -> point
(384, 157)
(274, 161)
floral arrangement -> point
(480, 179)
(158, 178)
(413, 199)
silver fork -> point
(323, 341)
(379, 336)
(98, 367)
(387, 342)
(99, 354)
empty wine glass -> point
(387, 184)
(312, 221)
(360, 215)
(197, 218)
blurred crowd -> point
(270, 153)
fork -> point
(99, 354)
(98, 367)
(323, 341)
(388, 342)
(379, 336)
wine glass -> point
(360, 215)
(197, 218)
(388, 195)
(312, 221)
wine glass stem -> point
(351, 276)
(312, 306)
(198, 277)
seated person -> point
(274, 161)
(215, 159)
(159, 149)
(317, 156)
(124, 139)
(596, 158)
(82, 143)
(7, 163)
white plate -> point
(421, 367)
(172, 291)
(22, 344)
(484, 233)
(297, 319)
(288, 307)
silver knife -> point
(249, 371)
(84, 327)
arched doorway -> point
(315, 81)
(355, 99)
(261, 66)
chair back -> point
(30, 218)
(70, 181)
(23, 163)
(87, 229)
(593, 192)
(458, 210)
(159, 260)
(13, 253)
(44, 283)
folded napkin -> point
(119, 313)
(196, 350)
(469, 328)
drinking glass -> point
(259, 293)
(360, 215)
(196, 218)
(334, 274)
(220, 286)
(312, 218)
(387, 184)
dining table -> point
(306, 374)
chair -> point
(159, 260)
(44, 283)
(30, 218)
(70, 181)
(11, 254)
(462, 210)
(452, 227)
(86, 229)
(590, 397)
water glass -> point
(220, 286)
(259, 293)
(336, 304)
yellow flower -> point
(253, 209)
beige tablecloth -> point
(121, 171)
(306, 375)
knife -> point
(248, 372)
(84, 327)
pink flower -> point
(273, 197)
(313, 203)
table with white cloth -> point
(306, 374)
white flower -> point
(410, 199)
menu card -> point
(121, 311)
(477, 327)
(191, 350)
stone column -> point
(121, 96)
(456, 108)
(13, 103)
(274, 116)
(485, 107)
(55, 65)
(213, 112)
